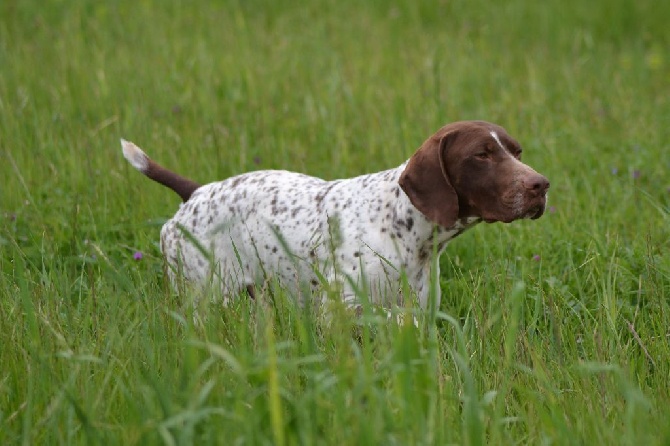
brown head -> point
(473, 169)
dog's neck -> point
(422, 233)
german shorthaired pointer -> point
(362, 233)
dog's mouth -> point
(533, 213)
(536, 210)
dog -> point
(367, 233)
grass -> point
(550, 332)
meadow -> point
(554, 331)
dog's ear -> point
(426, 183)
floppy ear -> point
(426, 183)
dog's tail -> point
(140, 161)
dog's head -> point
(473, 169)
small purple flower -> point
(552, 209)
(537, 258)
(614, 171)
(138, 255)
(636, 174)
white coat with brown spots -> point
(363, 233)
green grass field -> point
(555, 331)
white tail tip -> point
(135, 155)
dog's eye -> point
(482, 155)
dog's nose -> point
(536, 183)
